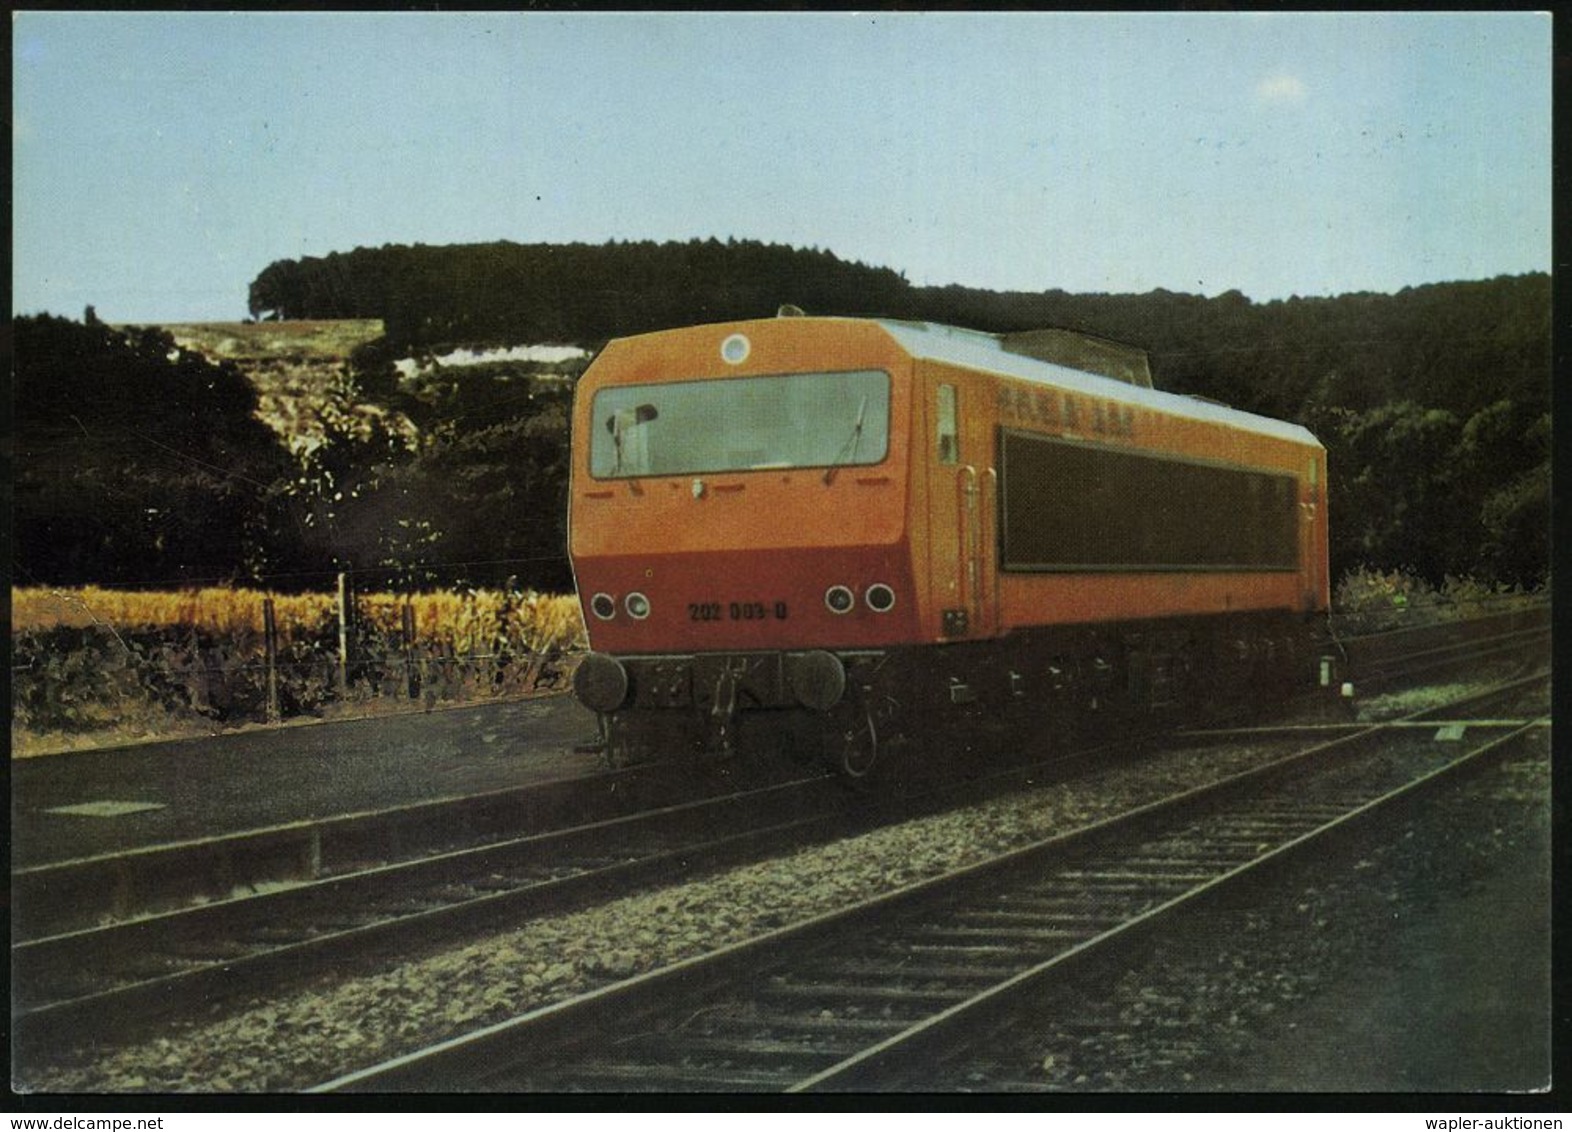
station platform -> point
(85, 803)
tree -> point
(1502, 459)
(1394, 491)
(335, 497)
(136, 462)
(1426, 470)
(484, 503)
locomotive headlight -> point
(880, 598)
(735, 349)
(839, 599)
(637, 605)
(603, 606)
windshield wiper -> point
(620, 422)
(852, 441)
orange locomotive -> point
(831, 533)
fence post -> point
(407, 620)
(270, 638)
(343, 635)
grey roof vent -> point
(1083, 352)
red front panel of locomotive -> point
(743, 487)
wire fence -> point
(229, 658)
(103, 660)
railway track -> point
(126, 976)
(115, 977)
(873, 996)
(1383, 659)
(59, 896)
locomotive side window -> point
(949, 449)
(798, 420)
(1073, 506)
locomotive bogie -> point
(950, 699)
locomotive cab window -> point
(949, 449)
(799, 420)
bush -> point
(1376, 601)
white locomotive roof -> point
(978, 350)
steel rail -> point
(58, 896)
(1381, 658)
(1418, 720)
(1468, 652)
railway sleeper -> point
(207, 951)
(817, 1023)
(970, 972)
(131, 966)
(844, 978)
(963, 950)
(1132, 880)
(1073, 917)
(598, 1077)
(1089, 1031)
(1058, 904)
(1270, 810)
(1192, 864)
(1275, 824)
(861, 992)
(807, 1046)
(67, 989)
(346, 922)
(273, 935)
(1258, 827)
(1076, 925)
(1249, 848)
(398, 909)
(1000, 931)
(1118, 905)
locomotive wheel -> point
(617, 743)
(854, 745)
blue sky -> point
(162, 160)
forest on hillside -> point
(1434, 404)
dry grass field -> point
(324, 340)
(465, 622)
(99, 667)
